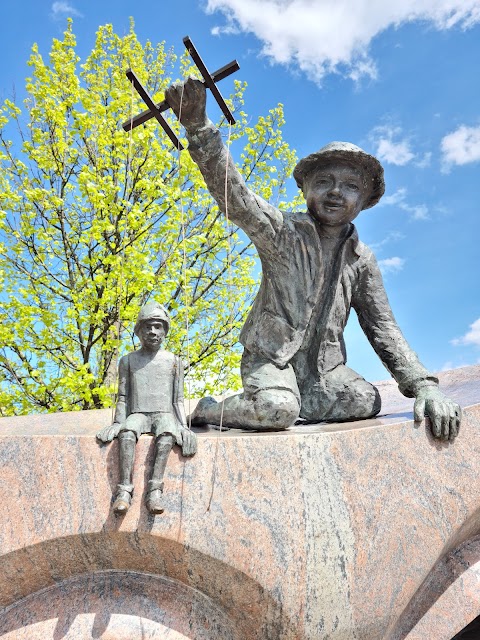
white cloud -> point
(393, 236)
(471, 337)
(424, 162)
(418, 211)
(395, 198)
(324, 36)
(461, 147)
(399, 199)
(393, 147)
(394, 152)
(391, 265)
(447, 366)
(61, 9)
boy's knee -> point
(276, 408)
(365, 400)
(164, 442)
(376, 401)
(127, 434)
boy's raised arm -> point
(259, 219)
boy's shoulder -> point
(139, 355)
(364, 251)
(361, 249)
(297, 217)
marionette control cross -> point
(156, 110)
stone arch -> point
(120, 605)
(470, 632)
(448, 600)
(134, 584)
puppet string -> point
(229, 259)
(230, 320)
(120, 282)
(184, 269)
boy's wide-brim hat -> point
(350, 154)
(152, 311)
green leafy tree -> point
(93, 221)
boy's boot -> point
(154, 497)
(123, 499)
(127, 441)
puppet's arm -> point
(109, 433)
(189, 438)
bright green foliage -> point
(91, 226)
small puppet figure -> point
(150, 400)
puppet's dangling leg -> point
(154, 497)
(127, 441)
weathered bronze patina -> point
(150, 400)
(315, 270)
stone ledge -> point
(338, 531)
(461, 384)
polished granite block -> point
(356, 531)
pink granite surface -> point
(363, 531)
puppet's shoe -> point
(201, 413)
(154, 497)
(123, 499)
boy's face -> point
(335, 194)
(151, 334)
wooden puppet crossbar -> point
(156, 110)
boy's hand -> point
(445, 415)
(107, 434)
(189, 442)
(188, 101)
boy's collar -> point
(354, 239)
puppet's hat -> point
(152, 311)
(348, 153)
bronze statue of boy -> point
(150, 400)
(314, 270)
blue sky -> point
(399, 79)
